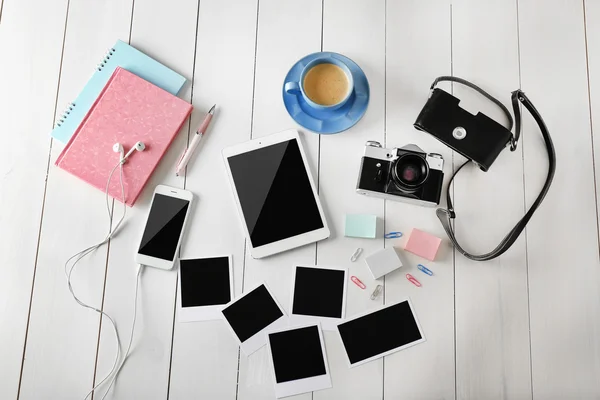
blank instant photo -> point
(299, 360)
(378, 333)
(319, 295)
(253, 314)
(205, 287)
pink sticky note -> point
(423, 244)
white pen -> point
(187, 154)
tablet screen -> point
(275, 193)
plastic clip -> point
(356, 254)
(413, 280)
(424, 269)
(357, 282)
(393, 235)
(376, 292)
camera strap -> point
(446, 215)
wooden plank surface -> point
(522, 326)
(287, 31)
(224, 75)
(356, 30)
(592, 36)
(171, 42)
(63, 335)
(492, 332)
(29, 80)
(564, 271)
(412, 62)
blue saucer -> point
(328, 122)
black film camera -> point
(401, 174)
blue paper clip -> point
(424, 269)
(393, 235)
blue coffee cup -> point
(297, 88)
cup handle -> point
(292, 88)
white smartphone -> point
(166, 221)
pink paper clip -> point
(357, 282)
(413, 280)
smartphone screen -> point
(164, 226)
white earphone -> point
(74, 260)
(118, 148)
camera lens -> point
(410, 171)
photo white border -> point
(203, 313)
(259, 339)
(291, 242)
(394, 350)
(303, 385)
(327, 323)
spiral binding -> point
(70, 106)
(107, 57)
(65, 114)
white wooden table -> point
(526, 325)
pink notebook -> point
(129, 109)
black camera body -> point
(401, 174)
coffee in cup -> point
(326, 84)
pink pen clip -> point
(413, 280)
(357, 282)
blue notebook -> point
(120, 55)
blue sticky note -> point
(361, 226)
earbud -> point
(118, 148)
(139, 146)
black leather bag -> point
(480, 139)
(477, 137)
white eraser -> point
(383, 262)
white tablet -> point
(275, 194)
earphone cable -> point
(80, 255)
(137, 284)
